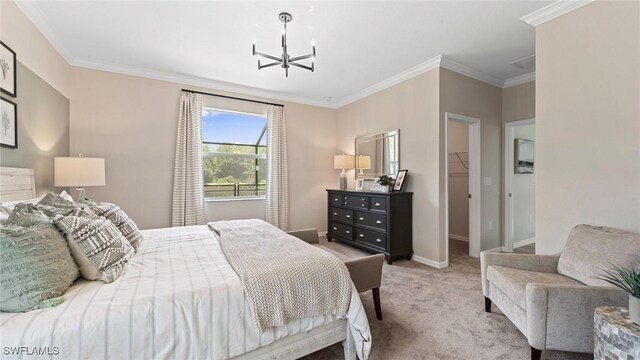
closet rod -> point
(232, 97)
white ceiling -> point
(359, 44)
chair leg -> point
(535, 354)
(376, 302)
(487, 304)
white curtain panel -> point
(188, 192)
(277, 207)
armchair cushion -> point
(539, 263)
(514, 281)
(592, 249)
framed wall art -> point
(8, 67)
(524, 151)
(8, 123)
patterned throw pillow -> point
(97, 246)
(25, 214)
(119, 218)
(36, 267)
(54, 204)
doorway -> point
(519, 189)
(462, 185)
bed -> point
(178, 298)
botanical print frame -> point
(524, 156)
(8, 124)
(8, 66)
(359, 184)
(400, 180)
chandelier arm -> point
(301, 57)
(301, 66)
(268, 65)
(268, 56)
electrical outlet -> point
(490, 225)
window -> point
(234, 154)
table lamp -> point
(364, 163)
(78, 172)
(343, 162)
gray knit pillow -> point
(25, 214)
(118, 217)
(97, 246)
(54, 204)
(36, 267)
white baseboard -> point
(459, 237)
(524, 242)
(498, 249)
(429, 262)
(322, 233)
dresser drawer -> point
(335, 199)
(378, 203)
(356, 202)
(342, 230)
(374, 220)
(342, 215)
(374, 238)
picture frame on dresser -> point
(400, 180)
(8, 83)
(8, 123)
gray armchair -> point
(551, 298)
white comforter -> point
(178, 298)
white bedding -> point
(186, 302)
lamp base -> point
(343, 182)
(80, 194)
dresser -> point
(373, 221)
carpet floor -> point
(436, 314)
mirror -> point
(378, 154)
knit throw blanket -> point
(284, 277)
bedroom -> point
(128, 115)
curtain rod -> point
(232, 97)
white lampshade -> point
(343, 161)
(364, 162)
(78, 171)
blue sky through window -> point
(230, 127)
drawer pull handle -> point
(377, 204)
(361, 235)
(335, 228)
(363, 199)
(378, 222)
(336, 199)
(378, 240)
(362, 205)
(334, 214)
(348, 232)
(348, 216)
(361, 219)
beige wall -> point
(587, 121)
(32, 48)
(463, 95)
(412, 107)
(132, 123)
(519, 102)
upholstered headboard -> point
(17, 184)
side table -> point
(616, 336)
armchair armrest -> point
(561, 316)
(529, 262)
(308, 235)
(366, 272)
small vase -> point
(634, 309)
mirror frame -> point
(374, 136)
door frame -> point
(508, 173)
(475, 188)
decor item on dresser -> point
(400, 180)
(629, 281)
(343, 162)
(372, 221)
(383, 184)
(285, 61)
(616, 336)
(8, 67)
(378, 154)
(8, 124)
(79, 172)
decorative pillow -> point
(66, 196)
(97, 246)
(26, 215)
(119, 218)
(9, 205)
(36, 267)
(54, 204)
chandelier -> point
(285, 61)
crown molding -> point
(33, 12)
(394, 80)
(455, 66)
(552, 11)
(517, 80)
(196, 81)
